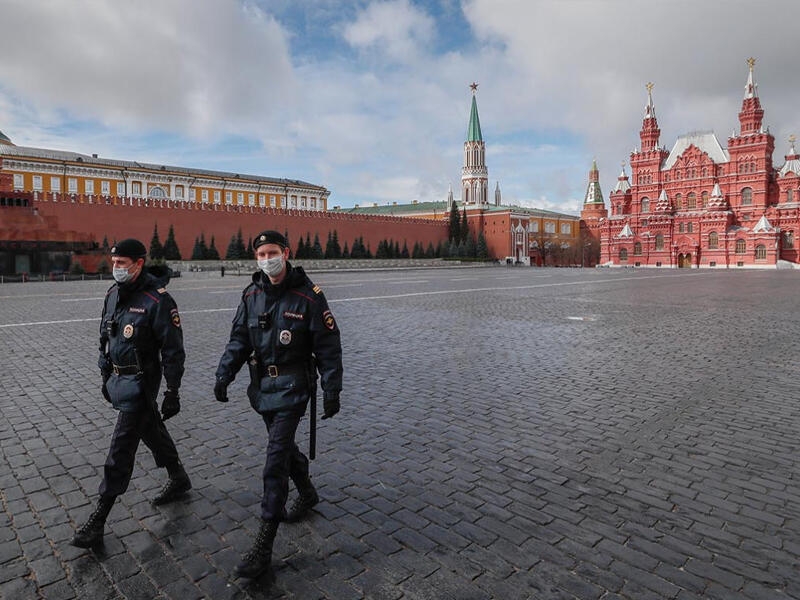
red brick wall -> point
(118, 222)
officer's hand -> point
(330, 403)
(171, 405)
(221, 390)
(103, 388)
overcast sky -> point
(371, 98)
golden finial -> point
(649, 86)
(792, 139)
(751, 62)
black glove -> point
(221, 390)
(103, 388)
(171, 405)
(330, 402)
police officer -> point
(286, 333)
(140, 338)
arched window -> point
(741, 246)
(747, 196)
(623, 255)
(704, 200)
(761, 252)
(678, 201)
(637, 249)
(157, 192)
(660, 241)
(645, 205)
(691, 200)
(788, 239)
(713, 240)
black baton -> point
(312, 433)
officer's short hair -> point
(129, 248)
(270, 237)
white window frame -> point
(192, 195)
(136, 189)
(37, 183)
(217, 196)
(566, 228)
(204, 196)
(55, 184)
(179, 192)
(105, 188)
(549, 227)
(120, 189)
(72, 185)
(228, 197)
(240, 198)
(88, 186)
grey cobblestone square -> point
(505, 433)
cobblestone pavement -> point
(505, 433)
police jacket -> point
(286, 333)
(140, 337)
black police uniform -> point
(140, 337)
(286, 333)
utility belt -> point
(125, 369)
(256, 368)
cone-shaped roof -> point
(474, 127)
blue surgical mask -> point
(122, 274)
(272, 266)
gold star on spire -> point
(751, 62)
(649, 86)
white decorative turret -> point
(717, 200)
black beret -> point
(269, 237)
(130, 248)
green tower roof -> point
(474, 128)
(4, 139)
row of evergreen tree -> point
(461, 244)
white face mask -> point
(122, 274)
(272, 266)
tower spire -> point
(650, 132)
(474, 174)
(594, 194)
(751, 115)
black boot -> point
(177, 485)
(305, 501)
(92, 532)
(258, 559)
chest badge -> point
(285, 337)
(127, 331)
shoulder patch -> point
(175, 317)
(317, 289)
(328, 320)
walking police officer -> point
(286, 333)
(140, 338)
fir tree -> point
(317, 251)
(381, 251)
(171, 250)
(203, 246)
(430, 252)
(329, 246)
(251, 254)
(241, 251)
(470, 247)
(301, 249)
(156, 249)
(404, 252)
(482, 250)
(213, 253)
(337, 249)
(105, 247)
(464, 229)
(454, 224)
(197, 250)
(232, 253)
(417, 251)
(345, 252)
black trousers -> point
(147, 426)
(284, 462)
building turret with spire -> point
(474, 174)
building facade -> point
(700, 204)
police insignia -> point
(317, 289)
(127, 331)
(285, 337)
(327, 318)
(176, 318)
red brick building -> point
(54, 204)
(699, 204)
